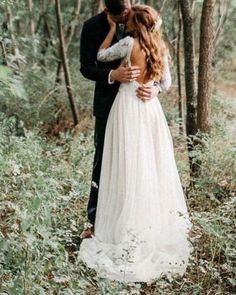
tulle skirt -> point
(142, 222)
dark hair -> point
(115, 7)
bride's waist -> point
(128, 93)
(131, 87)
(136, 84)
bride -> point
(142, 222)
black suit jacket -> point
(93, 34)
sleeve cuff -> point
(157, 84)
(109, 78)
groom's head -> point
(118, 9)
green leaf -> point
(5, 74)
(36, 203)
(17, 88)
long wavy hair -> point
(144, 18)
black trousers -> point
(99, 134)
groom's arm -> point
(88, 56)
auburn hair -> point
(144, 18)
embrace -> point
(137, 212)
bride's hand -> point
(111, 22)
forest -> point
(47, 145)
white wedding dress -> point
(142, 222)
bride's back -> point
(138, 58)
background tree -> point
(31, 22)
(149, 2)
(65, 63)
(96, 6)
(69, 35)
(190, 74)
(178, 68)
(205, 66)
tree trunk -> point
(47, 40)
(65, 63)
(206, 53)
(10, 27)
(19, 27)
(96, 6)
(190, 78)
(4, 53)
(31, 23)
(68, 37)
(223, 15)
(178, 65)
(163, 6)
(190, 75)
(149, 2)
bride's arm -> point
(166, 81)
(119, 50)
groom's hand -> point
(125, 74)
(147, 92)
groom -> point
(108, 76)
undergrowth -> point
(44, 192)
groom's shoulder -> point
(96, 20)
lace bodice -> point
(123, 49)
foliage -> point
(41, 187)
(43, 208)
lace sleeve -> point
(165, 81)
(116, 51)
